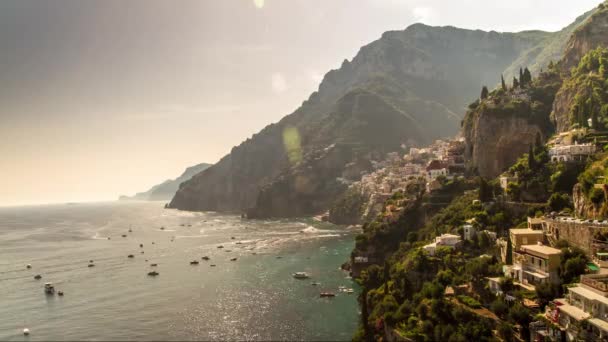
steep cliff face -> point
(494, 144)
(592, 34)
(501, 128)
(425, 74)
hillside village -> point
(520, 256)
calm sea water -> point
(253, 298)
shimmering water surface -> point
(252, 298)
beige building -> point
(538, 264)
(524, 236)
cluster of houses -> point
(451, 241)
(583, 313)
(442, 158)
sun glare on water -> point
(258, 3)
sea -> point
(252, 298)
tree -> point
(387, 276)
(509, 258)
(484, 92)
(515, 83)
(531, 160)
(521, 77)
(499, 307)
(365, 314)
(526, 78)
(485, 190)
(538, 143)
(502, 83)
(505, 330)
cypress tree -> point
(527, 76)
(531, 160)
(521, 75)
(515, 83)
(509, 259)
(538, 143)
(594, 121)
(502, 83)
(484, 92)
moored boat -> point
(49, 288)
(153, 274)
(327, 294)
(194, 262)
(301, 275)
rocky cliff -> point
(414, 82)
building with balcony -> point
(445, 240)
(571, 153)
(539, 264)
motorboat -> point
(26, 332)
(130, 256)
(327, 294)
(37, 276)
(205, 258)
(301, 275)
(233, 259)
(220, 246)
(213, 265)
(349, 291)
(193, 262)
(315, 284)
(153, 274)
(124, 235)
(162, 228)
(141, 245)
(28, 266)
(91, 265)
(153, 265)
(60, 293)
(49, 288)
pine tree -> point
(485, 190)
(515, 83)
(502, 83)
(484, 92)
(538, 144)
(551, 65)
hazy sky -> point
(101, 98)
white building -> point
(469, 231)
(567, 153)
(445, 240)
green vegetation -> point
(589, 85)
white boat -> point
(49, 288)
(349, 291)
(301, 275)
(26, 331)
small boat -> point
(315, 284)
(193, 262)
(26, 332)
(153, 274)
(142, 252)
(91, 261)
(350, 291)
(153, 242)
(60, 293)
(213, 265)
(109, 238)
(28, 266)
(341, 288)
(279, 257)
(49, 288)
(228, 250)
(37, 276)
(327, 294)
(130, 230)
(182, 225)
(141, 245)
(238, 243)
(130, 256)
(153, 265)
(205, 258)
(162, 228)
(189, 225)
(124, 235)
(301, 275)
(232, 238)
(233, 259)
(220, 246)
(91, 265)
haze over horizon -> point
(111, 97)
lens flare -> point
(258, 3)
(291, 141)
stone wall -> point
(576, 233)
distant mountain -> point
(167, 189)
(408, 87)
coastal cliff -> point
(423, 74)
